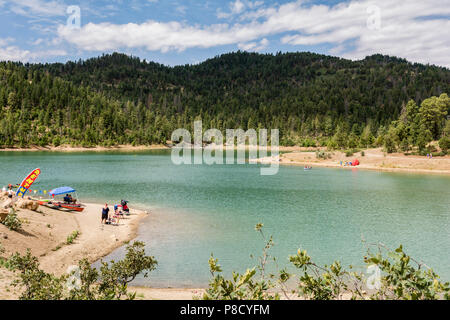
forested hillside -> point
(311, 98)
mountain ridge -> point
(305, 95)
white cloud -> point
(402, 31)
(237, 7)
(38, 7)
(37, 42)
(6, 41)
(254, 46)
(14, 53)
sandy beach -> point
(45, 232)
(373, 159)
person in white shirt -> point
(10, 192)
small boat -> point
(307, 168)
(67, 203)
(61, 205)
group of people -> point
(68, 199)
(350, 163)
(119, 211)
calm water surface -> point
(199, 210)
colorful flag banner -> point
(27, 182)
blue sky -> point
(185, 31)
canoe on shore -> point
(68, 202)
(62, 205)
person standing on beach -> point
(10, 192)
(105, 212)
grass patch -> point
(71, 238)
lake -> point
(197, 210)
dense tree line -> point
(118, 99)
(419, 126)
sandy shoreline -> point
(373, 159)
(45, 232)
(124, 148)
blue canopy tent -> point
(70, 205)
(61, 190)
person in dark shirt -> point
(125, 207)
(67, 199)
(105, 213)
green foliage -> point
(419, 126)
(117, 99)
(400, 277)
(242, 286)
(433, 112)
(323, 155)
(12, 222)
(349, 153)
(35, 283)
(308, 142)
(110, 282)
(71, 238)
(320, 283)
(444, 144)
(403, 280)
(390, 140)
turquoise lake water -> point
(197, 210)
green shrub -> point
(71, 238)
(110, 282)
(444, 144)
(56, 141)
(287, 142)
(308, 142)
(400, 277)
(12, 222)
(332, 145)
(245, 286)
(322, 155)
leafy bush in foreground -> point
(108, 283)
(400, 277)
(12, 222)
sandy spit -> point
(373, 159)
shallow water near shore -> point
(197, 210)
